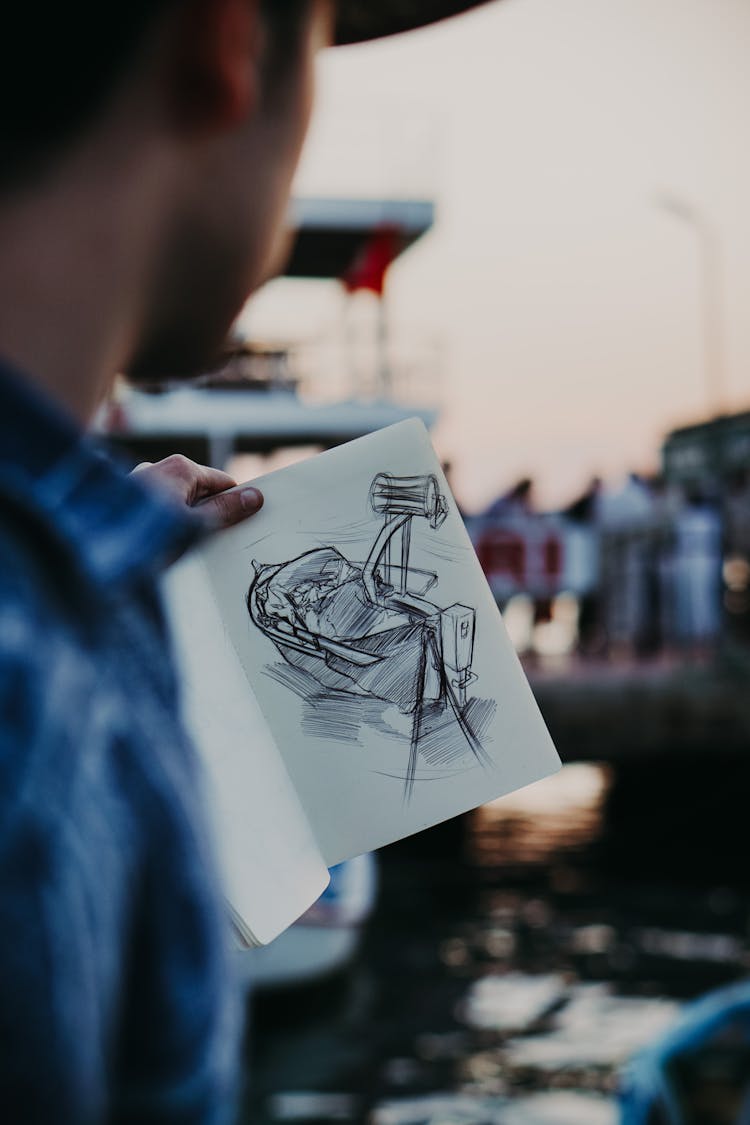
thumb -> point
(224, 509)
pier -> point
(623, 712)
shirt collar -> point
(117, 529)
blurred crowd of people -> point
(655, 566)
(660, 548)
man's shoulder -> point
(86, 678)
(45, 677)
(28, 570)
(78, 743)
(55, 681)
(32, 559)
(47, 692)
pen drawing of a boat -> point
(369, 628)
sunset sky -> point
(561, 301)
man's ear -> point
(217, 62)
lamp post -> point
(709, 249)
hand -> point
(203, 488)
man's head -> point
(242, 108)
(162, 136)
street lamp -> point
(709, 249)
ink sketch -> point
(371, 645)
(355, 612)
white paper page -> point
(270, 862)
(377, 744)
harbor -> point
(514, 963)
(645, 709)
(506, 967)
(375, 564)
(527, 963)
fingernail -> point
(251, 499)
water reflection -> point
(540, 823)
(517, 957)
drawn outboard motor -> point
(398, 500)
(409, 496)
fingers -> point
(193, 482)
(204, 481)
(211, 491)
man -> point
(146, 165)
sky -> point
(556, 304)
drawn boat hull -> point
(395, 676)
(340, 638)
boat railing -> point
(337, 368)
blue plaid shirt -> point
(116, 1002)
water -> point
(516, 958)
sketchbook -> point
(346, 674)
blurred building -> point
(255, 401)
(709, 454)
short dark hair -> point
(60, 65)
(285, 20)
